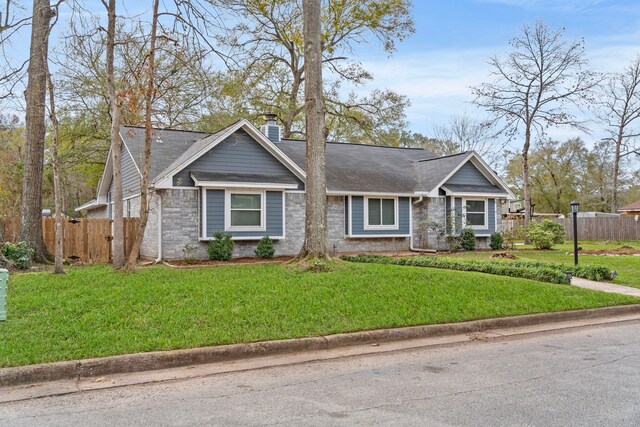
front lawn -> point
(93, 311)
(627, 266)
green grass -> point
(628, 267)
(93, 311)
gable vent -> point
(271, 128)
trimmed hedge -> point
(541, 271)
(501, 268)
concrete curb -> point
(140, 362)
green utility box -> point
(4, 279)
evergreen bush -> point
(265, 249)
(468, 239)
(221, 247)
(496, 241)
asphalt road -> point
(589, 377)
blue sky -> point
(455, 38)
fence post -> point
(4, 279)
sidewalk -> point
(605, 287)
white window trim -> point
(366, 226)
(486, 213)
(227, 210)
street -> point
(580, 377)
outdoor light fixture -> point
(575, 207)
(533, 208)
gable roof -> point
(166, 146)
(200, 147)
(635, 206)
(350, 168)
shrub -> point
(221, 247)
(545, 234)
(20, 253)
(536, 271)
(514, 234)
(496, 241)
(189, 252)
(265, 248)
(468, 239)
(453, 242)
(592, 272)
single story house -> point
(631, 210)
(250, 183)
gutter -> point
(411, 247)
(157, 260)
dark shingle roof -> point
(167, 145)
(350, 167)
(366, 168)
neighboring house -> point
(251, 183)
(632, 209)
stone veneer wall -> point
(180, 222)
(429, 209)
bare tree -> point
(620, 109)
(116, 143)
(315, 238)
(148, 133)
(11, 22)
(31, 210)
(57, 184)
(534, 86)
(462, 133)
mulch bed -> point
(623, 250)
(234, 261)
(505, 255)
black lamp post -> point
(533, 207)
(575, 207)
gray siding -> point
(130, 175)
(468, 174)
(457, 213)
(357, 218)
(239, 153)
(215, 215)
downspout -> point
(159, 259)
(411, 247)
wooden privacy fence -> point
(598, 228)
(85, 239)
(603, 228)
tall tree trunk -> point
(57, 185)
(616, 172)
(525, 175)
(31, 209)
(315, 242)
(148, 130)
(116, 144)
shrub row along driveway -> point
(94, 311)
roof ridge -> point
(169, 129)
(445, 157)
(361, 144)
